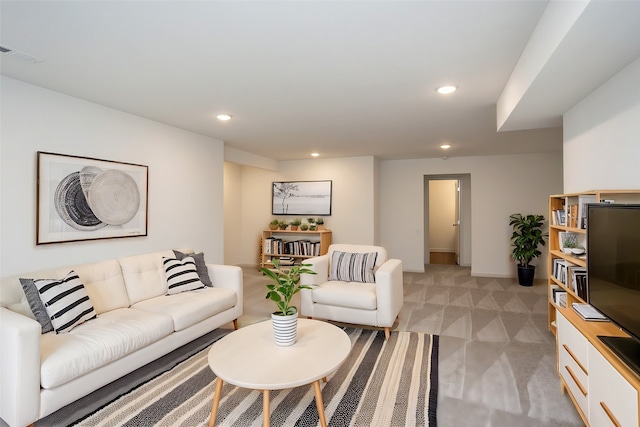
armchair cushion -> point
(341, 294)
(353, 267)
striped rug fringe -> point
(382, 383)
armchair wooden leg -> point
(235, 324)
(387, 333)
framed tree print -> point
(82, 198)
(301, 198)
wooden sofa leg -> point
(387, 333)
(235, 324)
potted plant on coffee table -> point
(526, 238)
(285, 284)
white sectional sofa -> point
(136, 323)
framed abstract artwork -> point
(82, 198)
(301, 198)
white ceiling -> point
(344, 78)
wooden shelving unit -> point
(604, 390)
(267, 254)
(563, 202)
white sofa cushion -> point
(144, 275)
(105, 285)
(346, 294)
(189, 308)
(94, 344)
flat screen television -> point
(613, 273)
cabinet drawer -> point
(611, 396)
(573, 353)
(571, 340)
(575, 378)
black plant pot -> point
(526, 274)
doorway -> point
(447, 219)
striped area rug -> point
(382, 383)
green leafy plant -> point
(283, 224)
(320, 221)
(304, 227)
(311, 220)
(296, 221)
(285, 284)
(527, 236)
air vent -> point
(8, 51)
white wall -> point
(352, 218)
(232, 213)
(185, 177)
(602, 136)
(500, 186)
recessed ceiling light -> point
(445, 146)
(315, 154)
(446, 89)
(224, 117)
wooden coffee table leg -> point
(319, 404)
(216, 401)
(266, 412)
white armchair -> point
(350, 287)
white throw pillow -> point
(66, 301)
(182, 275)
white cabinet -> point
(604, 390)
(613, 401)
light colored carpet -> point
(497, 357)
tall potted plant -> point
(526, 238)
(285, 284)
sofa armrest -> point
(228, 277)
(19, 368)
(320, 265)
(389, 291)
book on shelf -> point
(583, 200)
(561, 298)
(587, 312)
(557, 217)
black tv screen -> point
(613, 272)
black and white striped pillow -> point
(66, 301)
(182, 275)
(353, 267)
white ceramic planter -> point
(284, 329)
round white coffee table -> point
(250, 358)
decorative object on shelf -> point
(311, 220)
(567, 240)
(301, 198)
(527, 236)
(320, 223)
(295, 224)
(82, 198)
(282, 224)
(304, 227)
(273, 225)
(312, 227)
(285, 284)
